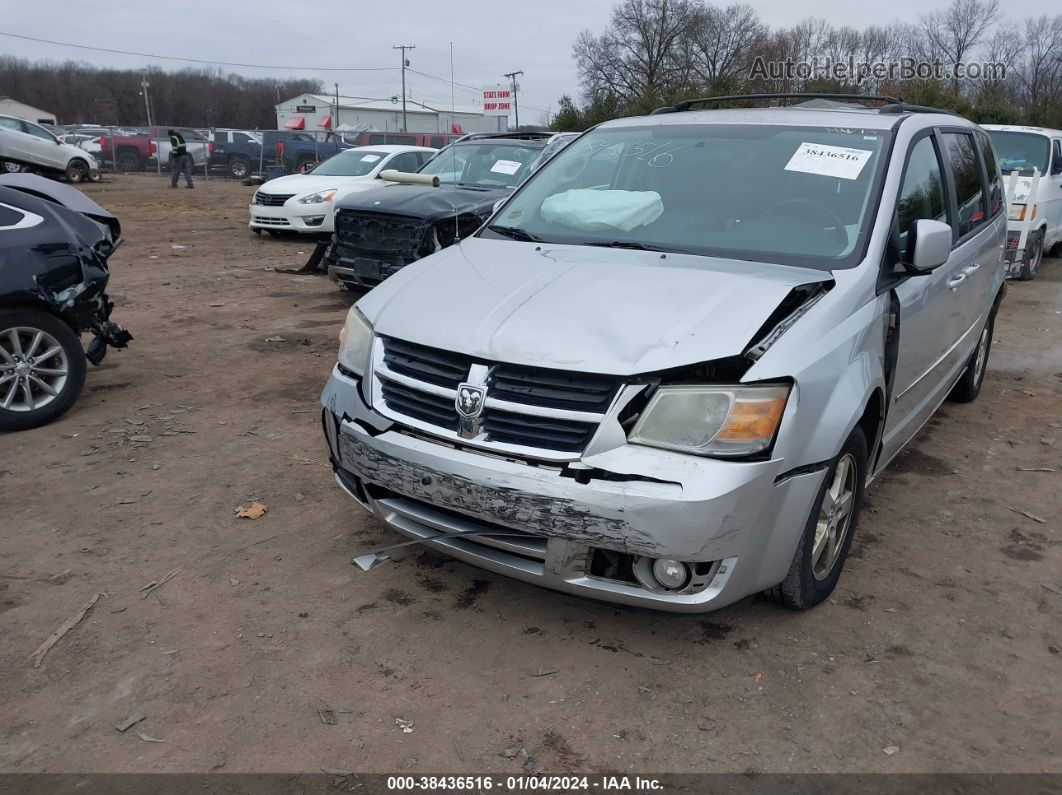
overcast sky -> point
(489, 37)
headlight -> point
(318, 198)
(355, 342)
(712, 420)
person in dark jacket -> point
(180, 160)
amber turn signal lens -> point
(753, 419)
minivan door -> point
(980, 233)
(44, 146)
(929, 307)
(1051, 193)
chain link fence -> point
(216, 152)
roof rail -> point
(903, 107)
(686, 104)
(520, 136)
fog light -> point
(313, 220)
(670, 573)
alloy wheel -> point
(835, 516)
(33, 368)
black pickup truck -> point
(239, 152)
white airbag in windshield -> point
(595, 210)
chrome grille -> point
(530, 410)
(381, 235)
(271, 199)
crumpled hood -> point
(595, 310)
(422, 201)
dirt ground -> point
(268, 651)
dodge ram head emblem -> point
(469, 405)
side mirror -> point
(932, 245)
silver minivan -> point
(664, 371)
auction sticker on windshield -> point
(506, 166)
(369, 158)
(829, 161)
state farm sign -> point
(497, 101)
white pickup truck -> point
(25, 146)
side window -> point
(922, 194)
(995, 181)
(437, 142)
(407, 161)
(11, 124)
(425, 157)
(39, 132)
(969, 197)
(405, 140)
(1056, 156)
(9, 216)
(375, 140)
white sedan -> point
(305, 202)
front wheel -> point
(42, 368)
(11, 167)
(823, 548)
(77, 171)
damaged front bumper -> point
(735, 525)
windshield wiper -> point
(515, 233)
(629, 244)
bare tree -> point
(640, 53)
(1041, 70)
(722, 42)
(952, 33)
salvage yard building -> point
(315, 112)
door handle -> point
(971, 268)
(956, 280)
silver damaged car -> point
(665, 370)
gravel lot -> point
(268, 651)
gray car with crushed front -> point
(666, 368)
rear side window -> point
(375, 140)
(922, 194)
(995, 181)
(11, 124)
(969, 196)
(437, 142)
(9, 216)
(1056, 157)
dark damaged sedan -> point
(380, 231)
(54, 245)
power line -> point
(203, 61)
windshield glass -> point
(350, 163)
(792, 195)
(483, 165)
(1018, 151)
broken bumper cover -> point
(732, 515)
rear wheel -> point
(11, 167)
(968, 387)
(239, 168)
(42, 368)
(1034, 256)
(128, 161)
(820, 556)
(77, 171)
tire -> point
(128, 161)
(808, 582)
(968, 387)
(1034, 257)
(239, 167)
(11, 167)
(16, 412)
(77, 170)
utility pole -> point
(405, 63)
(516, 103)
(335, 118)
(144, 90)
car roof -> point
(388, 148)
(1022, 128)
(530, 143)
(796, 116)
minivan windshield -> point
(786, 194)
(483, 165)
(1020, 151)
(349, 163)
